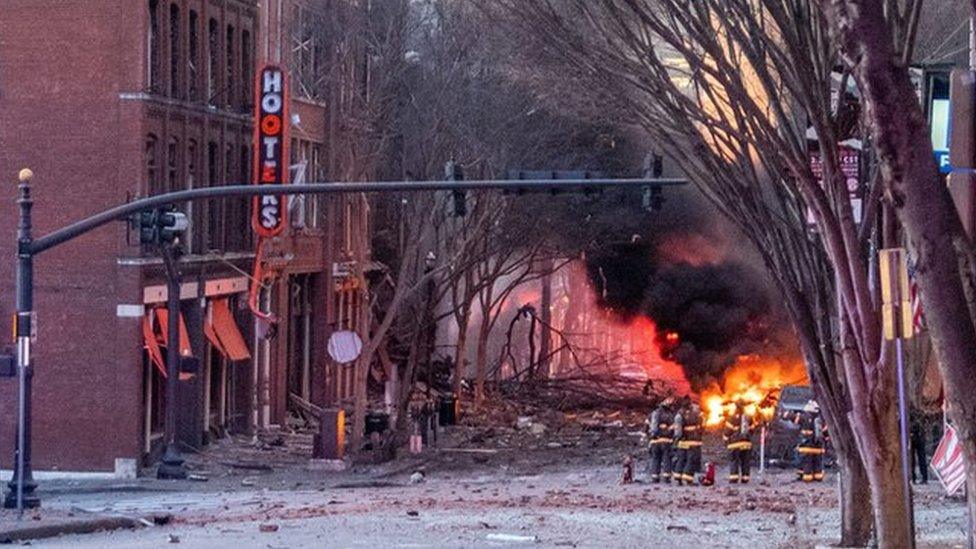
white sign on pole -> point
(345, 346)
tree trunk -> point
(855, 518)
(545, 315)
(815, 334)
(481, 359)
(924, 206)
(460, 351)
(877, 434)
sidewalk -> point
(48, 523)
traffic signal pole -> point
(171, 465)
(21, 494)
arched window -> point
(173, 165)
(174, 51)
(246, 75)
(152, 165)
(193, 57)
(213, 61)
(229, 63)
(152, 47)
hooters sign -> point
(270, 149)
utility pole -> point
(22, 485)
(171, 466)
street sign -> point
(948, 464)
(345, 346)
(850, 165)
(896, 307)
(270, 148)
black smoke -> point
(719, 309)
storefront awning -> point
(162, 315)
(222, 331)
(152, 344)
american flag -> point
(948, 464)
(918, 316)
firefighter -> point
(689, 445)
(739, 427)
(659, 439)
(812, 443)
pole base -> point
(31, 501)
(171, 467)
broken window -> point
(246, 77)
(229, 61)
(192, 58)
(213, 61)
(174, 51)
(152, 48)
(172, 165)
(214, 240)
(152, 165)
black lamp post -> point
(21, 494)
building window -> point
(305, 52)
(174, 51)
(214, 240)
(213, 61)
(173, 165)
(193, 56)
(152, 47)
(246, 75)
(152, 165)
(229, 62)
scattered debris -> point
(268, 528)
(173, 538)
(249, 466)
(628, 472)
(197, 478)
(417, 477)
(512, 538)
(678, 528)
(412, 513)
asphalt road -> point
(556, 508)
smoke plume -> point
(690, 275)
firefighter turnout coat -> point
(660, 438)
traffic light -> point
(160, 226)
(171, 225)
(453, 172)
(144, 223)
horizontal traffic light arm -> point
(124, 211)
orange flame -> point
(755, 380)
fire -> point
(641, 333)
(754, 380)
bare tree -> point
(869, 34)
(728, 88)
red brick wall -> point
(61, 70)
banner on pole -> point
(948, 464)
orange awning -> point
(162, 315)
(222, 330)
(152, 345)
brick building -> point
(108, 100)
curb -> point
(80, 526)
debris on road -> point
(512, 538)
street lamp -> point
(22, 485)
